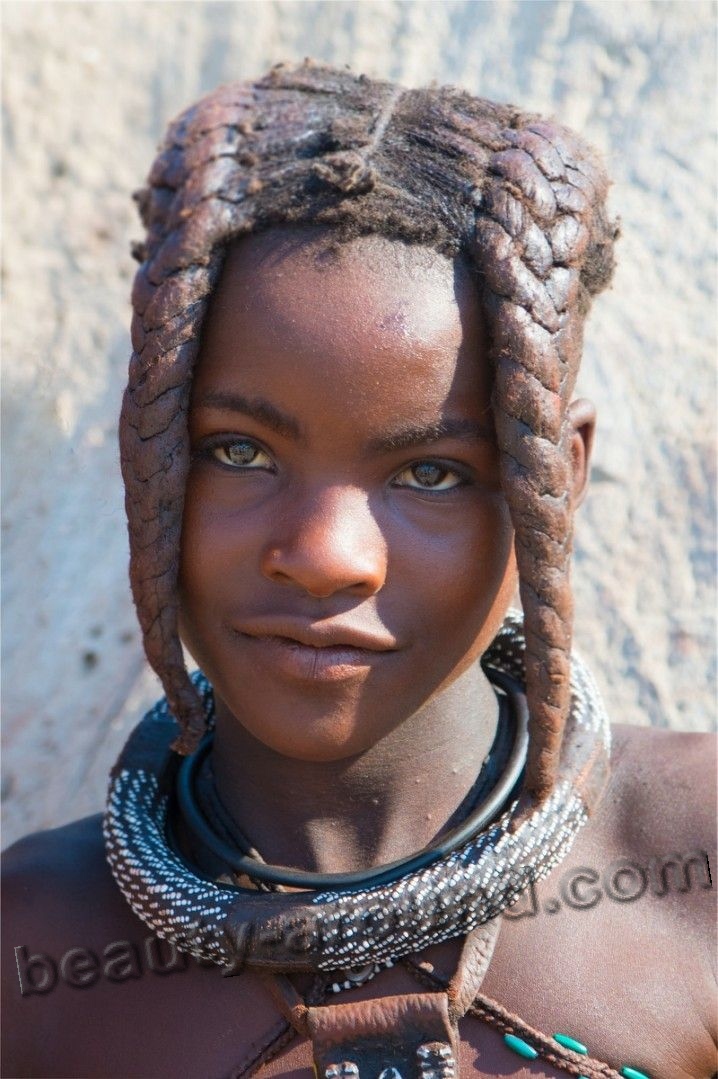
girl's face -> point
(346, 551)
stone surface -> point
(88, 88)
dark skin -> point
(328, 531)
(346, 755)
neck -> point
(365, 810)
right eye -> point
(241, 453)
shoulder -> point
(49, 876)
(57, 886)
(659, 820)
(638, 907)
(662, 787)
(56, 848)
(58, 900)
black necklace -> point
(513, 715)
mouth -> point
(318, 652)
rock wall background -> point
(88, 88)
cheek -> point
(490, 575)
(472, 557)
(466, 575)
(204, 553)
(483, 596)
(214, 527)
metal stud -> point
(346, 1070)
(436, 1061)
(358, 977)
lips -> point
(315, 652)
(326, 634)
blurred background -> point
(88, 89)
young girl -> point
(348, 435)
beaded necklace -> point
(330, 929)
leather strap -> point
(474, 961)
(410, 1036)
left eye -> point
(242, 454)
(428, 476)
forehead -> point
(296, 269)
(378, 309)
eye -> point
(429, 476)
(241, 453)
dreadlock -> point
(522, 198)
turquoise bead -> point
(570, 1043)
(633, 1073)
(520, 1046)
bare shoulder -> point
(57, 888)
(663, 786)
(660, 815)
(49, 876)
(55, 848)
(59, 902)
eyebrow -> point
(257, 408)
(264, 412)
(415, 435)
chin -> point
(320, 728)
(311, 743)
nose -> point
(329, 543)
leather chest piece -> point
(409, 1036)
(400, 1037)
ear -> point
(582, 418)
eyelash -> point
(215, 446)
(442, 466)
(212, 448)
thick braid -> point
(185, 219)
(520, 198)
(532, 232)
(202, 191)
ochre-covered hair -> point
(521, 198)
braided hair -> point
(521, 198)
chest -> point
(616, 976)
